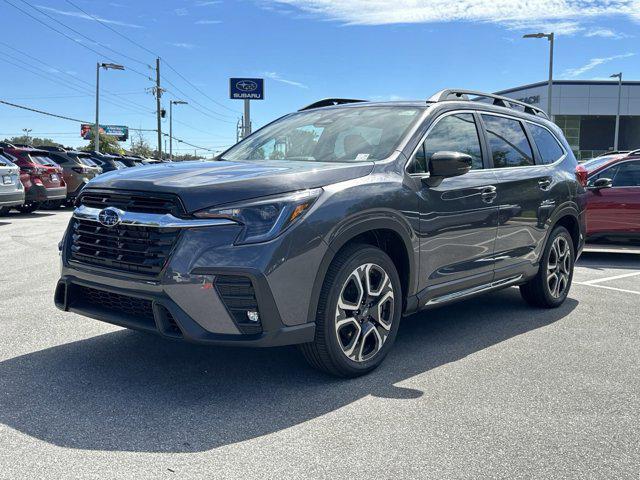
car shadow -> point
(607, 260)
(128, 391)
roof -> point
(569, 82)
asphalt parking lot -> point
(488, 388)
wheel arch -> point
(568, 217)
(390, 234)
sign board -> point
(120, 132)
(532, 100)
(246, 88)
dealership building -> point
(586, 112)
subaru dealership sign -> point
(246, 88)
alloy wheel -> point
(559, 267)
(364, 314)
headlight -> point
(266, 218)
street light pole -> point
(550, 37)
(96, 128)
(171, 104)
(617, 132)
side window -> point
(508, 142)
(548, 146)
(455, 133)
(609, 173)
(628, 175)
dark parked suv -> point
(328, 225)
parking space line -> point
(587, 284)
(615, 277)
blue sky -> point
(306, 50)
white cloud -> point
(181, 12)
(208, 22)
(277, 78)
(88, 17)
(206, 3)
(188, 46)
(593, 63)
(511, 13)
(605, 33)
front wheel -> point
(550, 287)
(358, 313)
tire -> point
(351, 342)
(28, 207)
(551, 285)
(4, 211)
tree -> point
(140, 146)
(34, 141)
(108, 144)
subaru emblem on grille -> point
(109, 217)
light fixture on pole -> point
(96, 131)
(550, 37)
(617, 132)
(171, 104)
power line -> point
(66, 85)
(42, 112)
(66, 35)
(151, 52)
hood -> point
(206, 184)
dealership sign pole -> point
(617, 132)
(246, 89)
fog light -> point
(253, 316)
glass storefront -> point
(593, 135)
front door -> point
(616, 210)
(458, 217)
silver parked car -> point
(11, 189)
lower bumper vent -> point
(238, 295)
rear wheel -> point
(28, 207)
(550, 287)
(358, 313)
(4, 211)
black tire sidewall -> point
(550, 299)
(365, 254)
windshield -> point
(42, 160)
(87, 161)
(596, 163)
(351, 134)
(119, 165)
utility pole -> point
(158, 92)
(617, 133)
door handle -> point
(489, 194)
(544, 184)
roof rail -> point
(458, 94)
(635, 152)
(328, 102)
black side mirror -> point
(602, 183)
(449, 164)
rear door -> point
(458, 217)
(524, 194)
(616, 210)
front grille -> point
(238, 295)
(138, 308)
(131, 201)
(135, 249)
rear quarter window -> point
(548, 147)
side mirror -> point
(449, 164)
(602, 183)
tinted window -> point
(628, 175)
(508, 142)
(453, 133)
(609, 173)
(548, 146)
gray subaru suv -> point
(327, 226)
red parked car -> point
(613, 202)
(41, 177)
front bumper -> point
(185, 302)
(12, 199)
